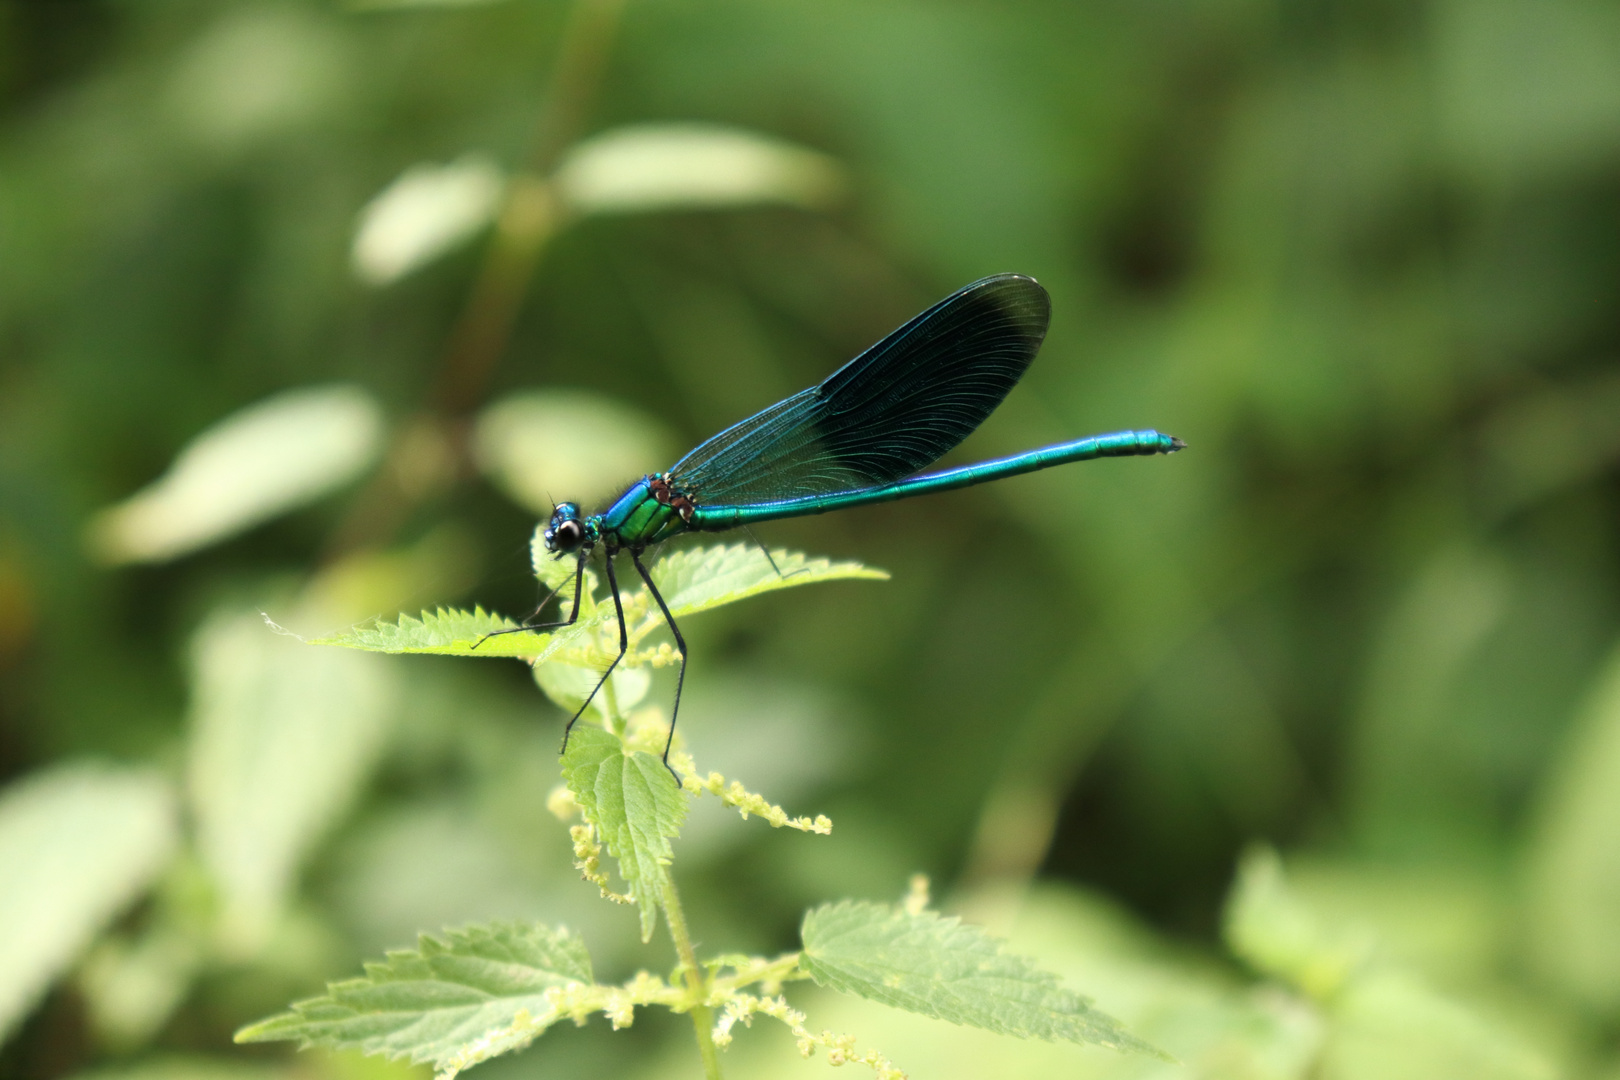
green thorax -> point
(643, 515)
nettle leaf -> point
(636, 808)
(481, 991)
(702, 578)
(452, 632)
(691, 581)
(944, 968)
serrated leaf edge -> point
(828, 978)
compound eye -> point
(569, 534)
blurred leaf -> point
(428, 211)
(1383, 1021)
(1573, 860)
(698, 579)
(1539, 444)
(543, 446)
(692, 166)
(385, 5)
(175, 1067)
(78, 844)
(258, 72)
(1448, 921)
(282, 738)
(450, 860)
(636, 806)
(1389, 1026)
(445, 1001)
(1271, 928)
(944, 968)
(1408, 790)
(131, 987)
(443, 562)
(252, 466)
(1527, 89)
(785, 738)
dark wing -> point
(891, 411)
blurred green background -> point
(461, 258)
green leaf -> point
(1574, 857)
(944, 968)
(683, 166)
(446, 632)
(636, 808)
(428, 211)
(190, 1067)
(698, 579)
(253, 465)
(1277, 933)
(1389, 1025)
(78, 843)
(482, 991)
(282, 739)
(385, 5)
(691, 581)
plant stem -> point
(525, 223)
(529, 215)
(614, 722)
(696, 989)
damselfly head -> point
(566, 531)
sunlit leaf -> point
(190, 1067)
(132, 983)
(1574, 858)
(258, 72)
(689, 166)
(78, 843)
(445, 632)
(698, 579)
(384, 5)
(950, 970)
(480, 991)
(636, 807)
(548, 446)
(1391, 1026)
(691, 581)
(282, 738)
(252, 466)
(1272, 929)
(428, 211)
